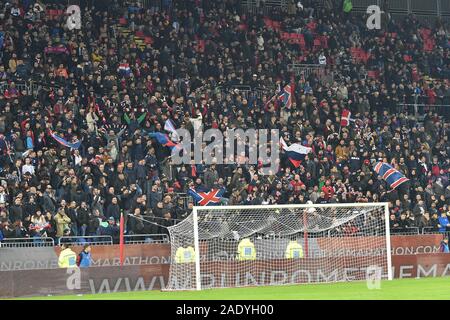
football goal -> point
(238, 246)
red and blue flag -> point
(163, 139)
(210, 198)
(62, 141)
(286, 96)
(392, 176)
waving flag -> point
(346, 118)
(286, 96)
(295, 152)
(60, 140)
(163, 139)
(282, 95)
(169, 126)
(213, 197)
(392, 176)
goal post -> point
(238, 246)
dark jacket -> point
(113, 210)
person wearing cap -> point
(110, 229)
(67, 258)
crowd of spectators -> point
(100, 85)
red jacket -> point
(329, 191)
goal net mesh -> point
(277, 245)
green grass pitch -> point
(415, 289)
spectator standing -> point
(84, 257)
(444, 224)
(62, 222)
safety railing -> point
(405, 231)
(27, 242)
(80, 240)
(417, 109)
(246, 92)
(399, 231)
(157, 5)
(185, 197)
(322, 72)
(145, 238)
(432, 230)
(427, 11)
(264, 7)
(30, 87)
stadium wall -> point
(35, 272)
(49, 282)
(141, 254)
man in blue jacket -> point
(444, 224)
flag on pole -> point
(286, 96)
(269, 101)
(295, 152)
(62, 141)
(169, 126)
(121, 241)
(392, 176)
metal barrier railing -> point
(27, 242)
(246, 92)
(30, 87)
(426, 10)
(186, 198)
(145, 238)
(405, 231)
(263, 7)
(323, 72)
(431, 230)
(93, 240)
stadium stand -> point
(101, 89)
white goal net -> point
(236, 246)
